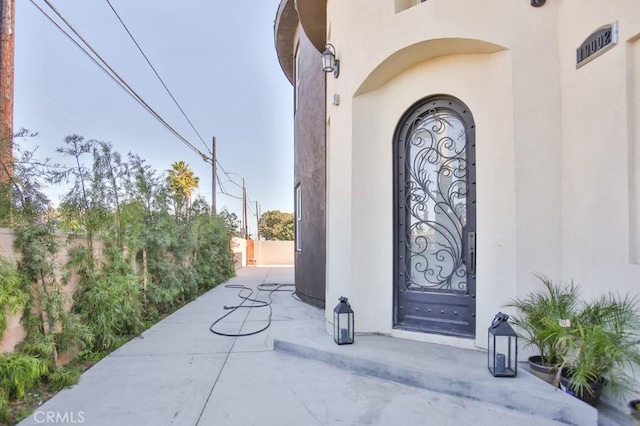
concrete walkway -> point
(179, 373)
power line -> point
(230, 179)
(112, 73)
(228, 174)
(224, 191)
(80, 47)
(107, 69)
(156, 73)
(219, 182)
(231, 195)
(222, 168)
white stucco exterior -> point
(558, 148)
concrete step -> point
(446, 369)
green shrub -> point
(20, 372)
(111, 309)
(61, 378)
(603, 344)
(12, 295)
(38, 345)
(540, 315)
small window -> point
(296, 74)
(298, 217)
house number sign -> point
(601, 40)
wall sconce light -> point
(538, 3)
(329, 61)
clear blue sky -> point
(216, 56)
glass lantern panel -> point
(328, 61)
(345, 328)
(491, 353)
(504, 356)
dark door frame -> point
(463, 325)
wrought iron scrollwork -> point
(435, 192)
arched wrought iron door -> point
(435, 218)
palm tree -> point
(182, 182)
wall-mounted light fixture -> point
(538, 3)
(329, 61)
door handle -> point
(471, 248)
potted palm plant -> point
(601, 348)
(634, 406)
(543, 317)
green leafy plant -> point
(112, 310)
(137, 245)
(603, 345)
(276, 225)
(13, 297)
(38, 344)
(542, 317)
(231, 222)
(51, 330)
(182, 181)
(19, 372)
(61, 378)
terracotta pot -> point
(542, 371)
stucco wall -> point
(557, 148)
(273, 253)
(386, 82)
(239, 250)
(633, 105)
(7, 238)
(600, 150)
(309, 173)
(375, 117)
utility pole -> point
(257, 222)
(213, 177)
(244, 210)
(6, 87)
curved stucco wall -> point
(468, 55)
(553, 196)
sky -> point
(218, 59)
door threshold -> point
(439, 339)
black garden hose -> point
(270, 287)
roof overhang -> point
(312, 17)
(284, 28)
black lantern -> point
(502, 342)
(343, 322)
